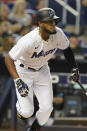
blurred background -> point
(18, 17)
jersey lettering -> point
(42, 53)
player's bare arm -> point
(21, 86)
(11, 67)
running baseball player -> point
(27, 63)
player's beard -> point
(49, 32)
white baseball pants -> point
(40, 84)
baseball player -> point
(27, 63)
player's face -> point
(49, 26)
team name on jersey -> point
(42, 53)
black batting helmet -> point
(46, 14)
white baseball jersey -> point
(32, 51)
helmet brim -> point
(47, 19)
(56, 17)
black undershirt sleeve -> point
(70, 57)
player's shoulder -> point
(31, 39)
(31, 36)
(59, 30)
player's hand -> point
(22, 87)
(74, 75)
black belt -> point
(21, 65)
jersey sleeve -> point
(63, 41)
(20, 49)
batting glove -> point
(22, 87)
(74, 75)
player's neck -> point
(44, 35)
